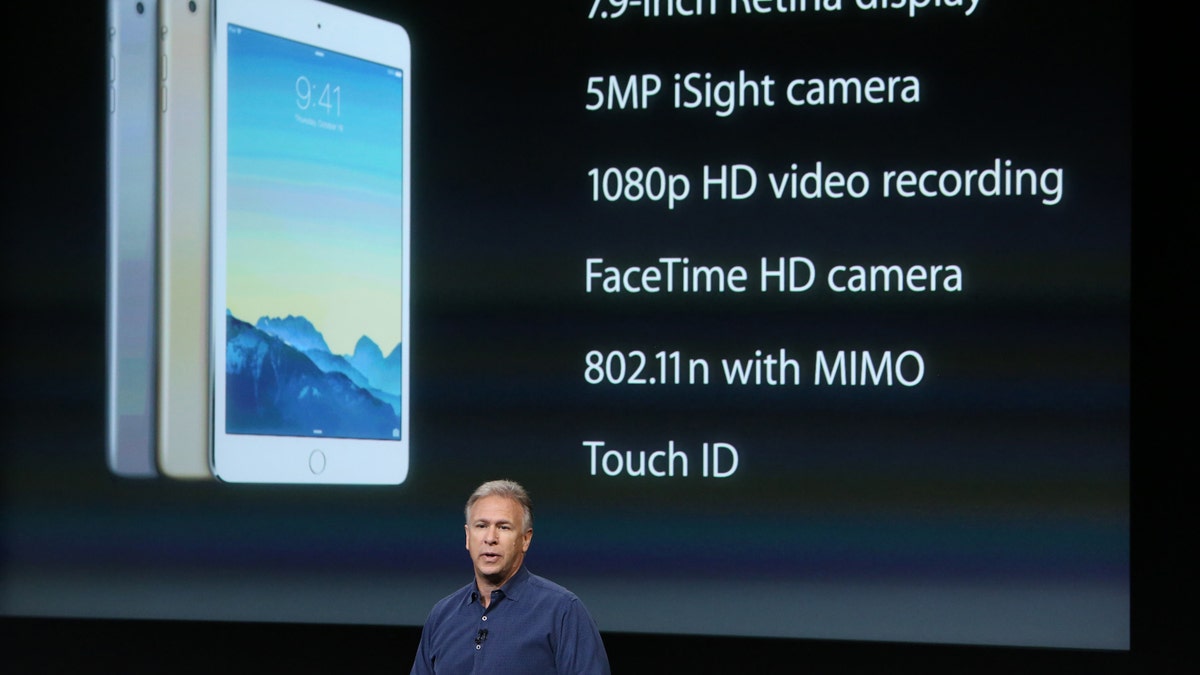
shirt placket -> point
(481, 634)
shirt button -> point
(485, 618)
(478, 647)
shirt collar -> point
(516, 585)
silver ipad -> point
(132, 298)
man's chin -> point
(493, 578)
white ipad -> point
(310, 244)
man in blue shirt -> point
(507, 620)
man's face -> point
(497, 538)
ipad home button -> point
(316, 461)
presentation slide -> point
(796, 318)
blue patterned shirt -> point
(531, 625)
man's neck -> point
(485, 592)
(486, 586)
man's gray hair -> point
(503, 488)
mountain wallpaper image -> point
(282, 380)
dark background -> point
(499, 343)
